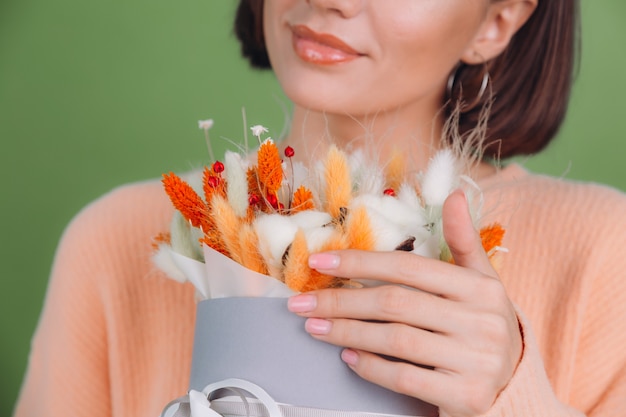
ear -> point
(503, 20)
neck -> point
(412, 133)
(381, 135)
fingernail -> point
(317, 326)
(302, 303)
(349, 356)
(323, 261)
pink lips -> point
(321, 48)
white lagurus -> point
(236, 182)
(367, 177)
(440, 179)
(276, 232)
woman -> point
(543, 336)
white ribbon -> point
(197, 404)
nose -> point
(345, 8)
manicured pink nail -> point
(302, 303)
(349, 356)
(324, 261)
(318, 326)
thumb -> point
(462, 239)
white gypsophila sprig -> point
(205, 124)
(258, 130)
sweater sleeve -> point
(67, 371)
(595, 378)
(529, 392)
(599, 367)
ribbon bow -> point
(197, 404)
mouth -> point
(321, 48)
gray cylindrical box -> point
(259, 340)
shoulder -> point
(124, 210)
(124, 220)
(558, 230)
(554, 203)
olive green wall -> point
(95, 94)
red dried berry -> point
(253, 199)
(213, 181)
(390, 192)
(289, 152)
(218, 167)
(271, 198)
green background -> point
(96, 94)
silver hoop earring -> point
(481, 91)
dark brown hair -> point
(530, 81)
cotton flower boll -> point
(184, 238)
(408, 220)
(440, 178)
(237, 183)
(317, 237)
(310, 219)
(387, 234)
(430, 248)
(275, 232)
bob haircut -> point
(530, 82)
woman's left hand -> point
(453, 318)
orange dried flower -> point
(270, 169)
(302, 200)
(163, 237)
(338, 184)
(255, 192)
(253, 181)
(297, 274)
(212, 184)
(359, 230)
(250, 256)
(186, 200)
(395, 170)
(227, 224)
(213, 240)
(491, 236)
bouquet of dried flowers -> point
(269, 215)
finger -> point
(426, 384)
(463, 240)
(430, 275)
(452, 393)
(388, 303)
(394, 340)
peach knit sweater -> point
(115, 335)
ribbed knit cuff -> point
(529, 392)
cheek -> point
(434, 29)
